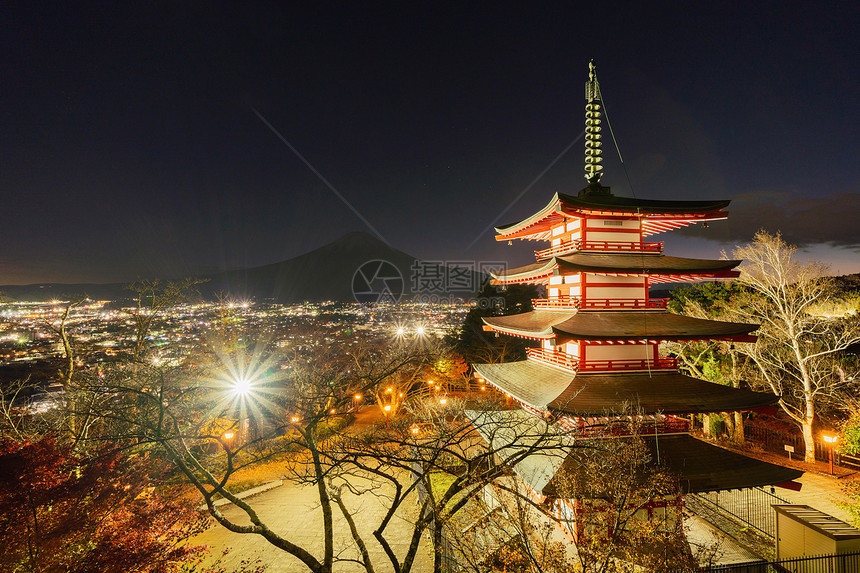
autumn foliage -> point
(61, 512)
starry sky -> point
(177, 138)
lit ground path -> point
(820, 492)
(293, 512)
(701, 534)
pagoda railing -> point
(612, 246)
(554, 358)
(563, 360)
(622, 426)
(576, 302)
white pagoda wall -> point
(600, 286)
(619, 352)
(621, 230)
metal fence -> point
(750, 505)
(774, 441)
(846, 563)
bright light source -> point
(443, 401)
(358, 396)
(483, 387)
(294, 419)
(332, 411)
(400, 331)
(228, 436)
(419, 330)
(414, 429)
(388, 390)
(830, 438)
(387, 408)
(242, 386)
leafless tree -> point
(798, 354)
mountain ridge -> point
(324, 273)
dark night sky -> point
(129, 145)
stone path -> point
(293, 512)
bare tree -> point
(152, 298)
(798, 354)
(297, 422)
(60, 328)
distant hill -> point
(847, 283)
(326, 273)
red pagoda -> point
(600, 332)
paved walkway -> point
(293, 512)
(703, 536)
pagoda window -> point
(556, 280)
(556, 231)
(574, 225)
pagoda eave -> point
(612, 325)
(589, 394)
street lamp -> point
(831, 440)
(228, 436)
(385, 410)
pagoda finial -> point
(592, 127)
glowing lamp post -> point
(228, 436)
(831, 440)
(386, 410)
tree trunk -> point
(809, 441)
(729, 421)
(739, 428)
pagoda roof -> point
(600, 202)
(697, 465)
(663, 268)
(588, 395)
(542, 456)
(615, 325)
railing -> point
(622, 427)
(562, 360)
(775, 441)
(843, 563)
(661, 363)
(751, 505)
(576, 302)
(554, 358)
(578, 245)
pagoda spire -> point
(592, 127)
